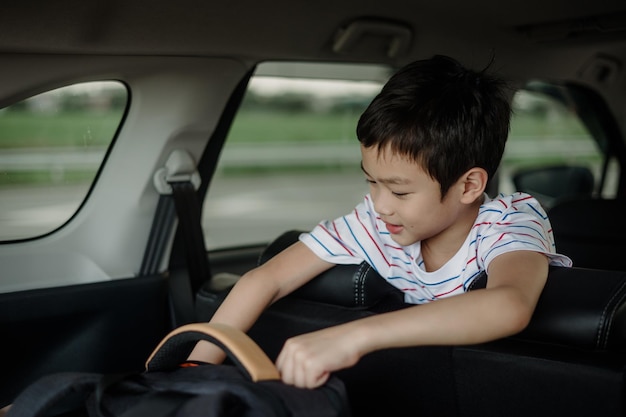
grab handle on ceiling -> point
(399, 35)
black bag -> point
(251, 387)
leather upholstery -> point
(569, 361)
(592, 232)
(581, 308)
(343, 285)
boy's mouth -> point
(394, 229)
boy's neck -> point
(438, 250)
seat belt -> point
(188, 212)
(177, 183)
(180, 167)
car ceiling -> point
(293, 29)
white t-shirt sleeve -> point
(512, 223)
(350, 239)
(326, 243)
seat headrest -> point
(589, 218)
(591, 232)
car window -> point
(291, 158)
(551, 154)
(51, 148)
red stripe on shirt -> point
(372, 239)
(448, 292)
(521, 199)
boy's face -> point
(408, 200)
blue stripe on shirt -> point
(369, 260)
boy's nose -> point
(382, 205)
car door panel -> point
(102, 327)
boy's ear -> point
(474, 183)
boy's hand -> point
(306, 361)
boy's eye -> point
(370, 181)
(400, 194)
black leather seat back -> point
(579, 308)
(592, 232)
(356, 285)
(573, 349)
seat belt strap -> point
(189, 219)
(159, 238)
(177, 183)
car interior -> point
(152, 153)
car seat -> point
(591, 231)
(569, 361)
(552, 183)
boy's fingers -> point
(297, 368)
(319, 380)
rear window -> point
(550, 152)
(51, 148)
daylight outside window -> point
(291, 158)
(550, 153)
(51, 148)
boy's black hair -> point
(441, 115)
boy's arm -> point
(504, 308)
(259, 288)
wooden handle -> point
(247, 355)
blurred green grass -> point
(75, 129)
(67, 129)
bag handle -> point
(238, 346)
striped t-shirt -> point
(504, 224)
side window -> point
(51, 148)
(550, 153)
(291, 158)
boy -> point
(430, 141)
